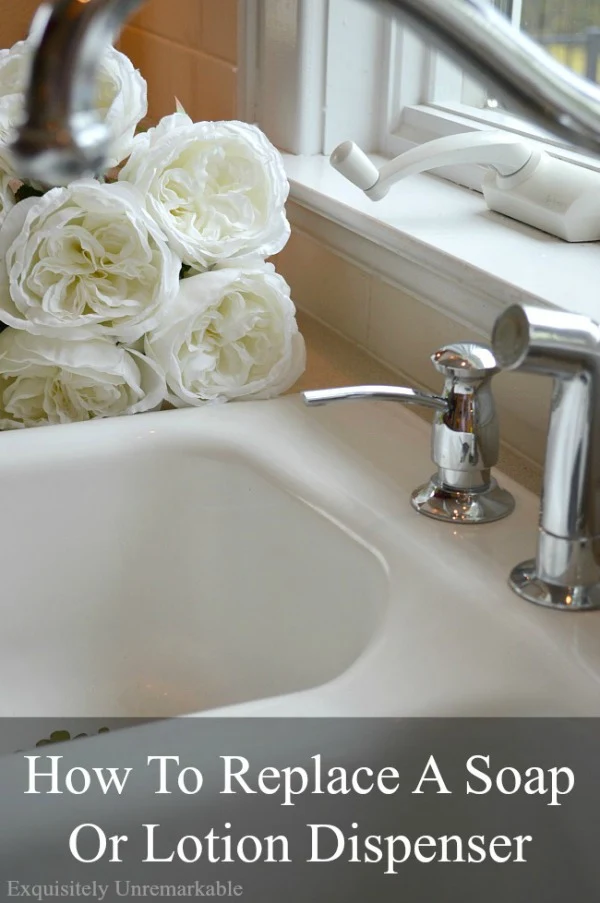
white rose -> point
(7, 198)
(121, 95)
(46, 380)
(14, 75)
(231, 333)
(218, 189)
(122, 101)
(85, 261)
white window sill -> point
(439, 241)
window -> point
(336, 69)
(450, 102)
(329, 70)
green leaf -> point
(26, 191)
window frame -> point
(322, 98)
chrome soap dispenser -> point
(465, 437)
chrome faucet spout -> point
(402, 394)
(62, 137)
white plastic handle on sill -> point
(524, 183)
(506, 153)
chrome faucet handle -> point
(465, 438)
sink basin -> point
(153, 570)
(264, 559)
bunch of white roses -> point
(121, 293)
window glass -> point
(568, 29)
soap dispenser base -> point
(462, 506)
(525, 582)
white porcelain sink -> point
(263, 558)
(151, 569)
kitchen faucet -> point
(62, 138)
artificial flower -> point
(7, 197)
(231, 333)
(49, 380)
(217, 189)
(85, 261)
